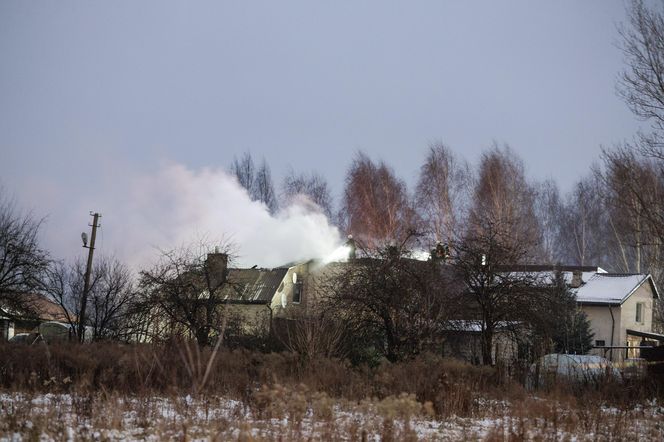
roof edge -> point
(647, 277)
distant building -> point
(619, 307)
(36, 310)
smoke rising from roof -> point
(178, 206)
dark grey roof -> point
(547, 268)
(253, 285)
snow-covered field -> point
(109, 417)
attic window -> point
(600, 343)
(297, 292)
(639, 312)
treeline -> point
(613, 217)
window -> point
(600, 343)
(297, 292)
(639, 312)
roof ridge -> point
(617, 275)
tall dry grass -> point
(281, 395)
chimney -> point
(217, 267)
(577, 280)
(352, 248)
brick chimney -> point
(217, 267)
(577, 279)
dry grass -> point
(175, 391)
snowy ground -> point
(105, 417)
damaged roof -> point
(253, 285)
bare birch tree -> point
(504, 199)
(583, 224)
(549, 211)
(443, 193)
(376, 206)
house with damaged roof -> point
(244, 301)
(619, 306)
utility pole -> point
(88, 271)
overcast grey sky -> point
(96, 93)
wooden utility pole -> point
(88, 271)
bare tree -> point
(633, 193)
(63, 284)
(186, 286)
(257, 182)
(111, 301)
(244, 170)
(504, 199)
(312, 186)
(641, 84)
(393, 303)
(22, 261)
(443, 193)
(496, 295)
(550, 213)
(376, 206)
(583, 224)
(111, 295)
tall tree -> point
(504, 199)
(549, 211)
(641, 84)
(583, 236)
(312, 186)
(376, 206)
(633, 197)
(442, 193)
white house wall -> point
(282, 304)
(600, 324)
(625, 318)
(644, 295)
(315, 278)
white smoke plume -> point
(177, 206)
